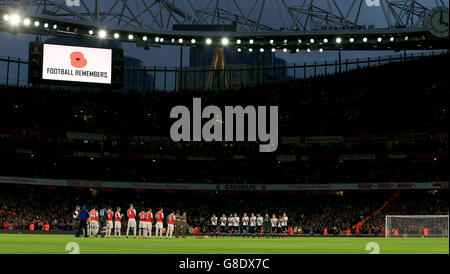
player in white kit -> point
(230, 223)
(259, 223)
(213, 227)
(252, 229)
(245, 220)
(284, 227)
(273, 225)
(223, 225)
(236, 228)
(279, 228)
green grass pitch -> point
(56, 244)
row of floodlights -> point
(274, 50)
(15, 20)
(226, 41)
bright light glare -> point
(225, 41)
(102, 34)
(15, 19)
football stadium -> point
(224, 127)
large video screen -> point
(77, 64)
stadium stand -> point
(374, 124)
(384, 124)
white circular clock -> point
(437, 22)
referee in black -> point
(76, 221)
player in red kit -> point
(159, 216)
(170, 225)
(109, 221)
(131, 213)
(94, 222)
(149, 217)
(142, 224)
(118, 222)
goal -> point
(416, 226)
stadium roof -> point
(280, 24)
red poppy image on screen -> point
(78, 60)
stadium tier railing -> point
(14, 72)
(344, 139)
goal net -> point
(416, 226)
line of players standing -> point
(103, 222)
(249, 226)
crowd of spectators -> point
(394, 98)
(397, 98)
(312, 212)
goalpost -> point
(416, 226)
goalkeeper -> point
(266, 226)
(103, 218)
